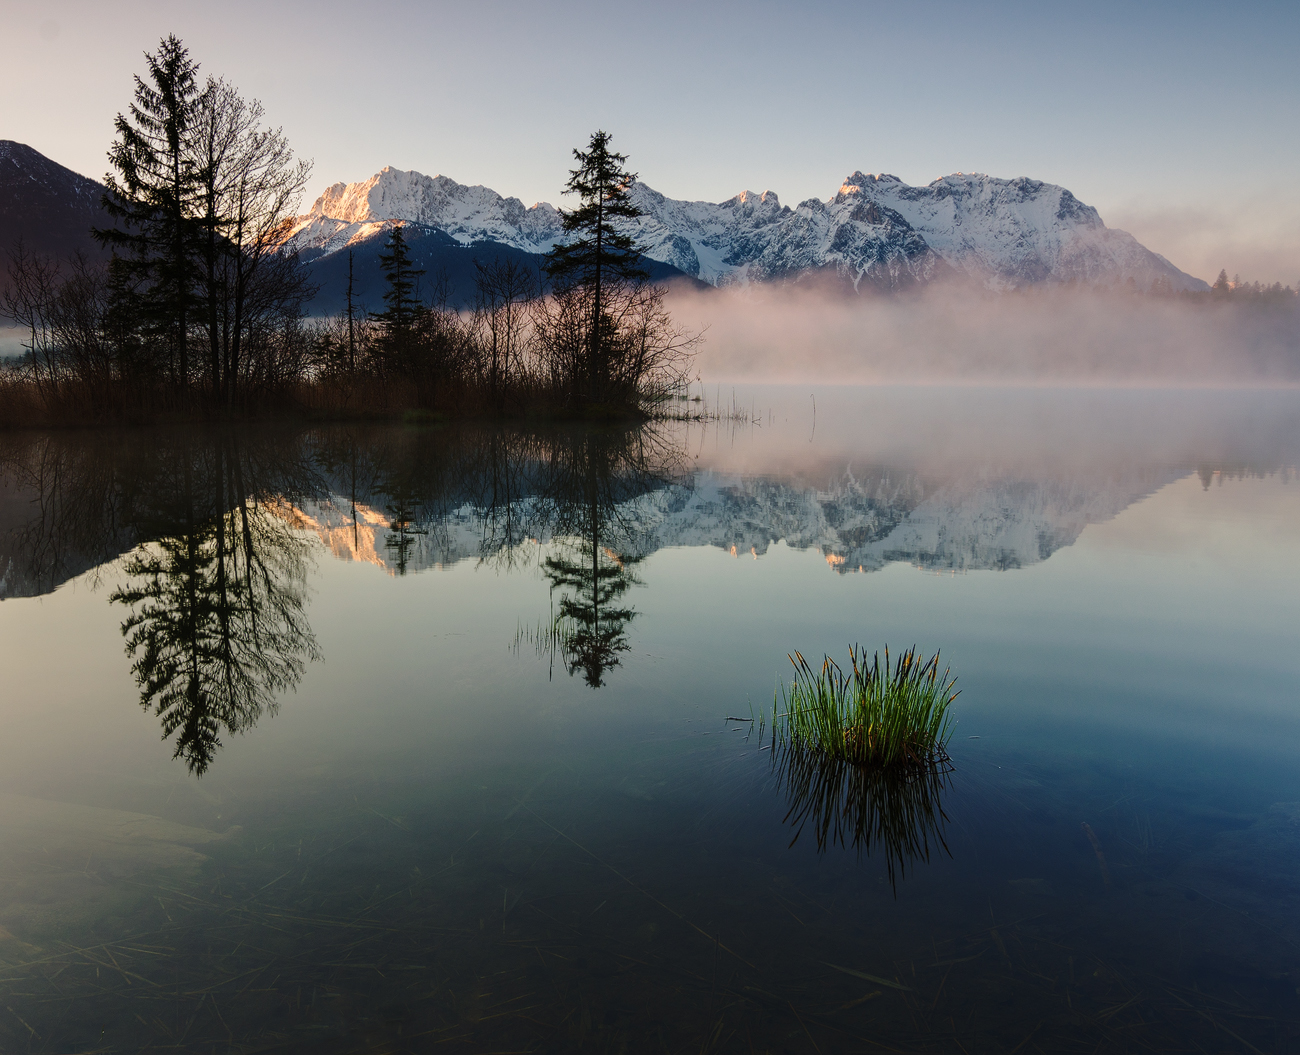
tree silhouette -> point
(151, 197)
(401, 320)
(602, 255)
(217, 628)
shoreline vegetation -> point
(199, 313)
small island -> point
(199, 310)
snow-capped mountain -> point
(875, 229)
(352, 212)
(1013, 232)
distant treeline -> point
(200, 311)
(1232, 290)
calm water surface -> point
(411, 739)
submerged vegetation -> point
(872, 715)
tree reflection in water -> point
(896, 814)
(217, 628)
(208, 526)
(592, 478)
(591, 627)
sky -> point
(1177, 120)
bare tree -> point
(28, 302)
(646, 356)
(503, 290)
(251, 188)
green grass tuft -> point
(871, 715)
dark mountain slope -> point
(49, 207)
(448, 265)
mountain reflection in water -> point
(211, 532)
(214, 577)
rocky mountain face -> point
(877, 230)
(874, 233)
(1011, 233)
(351, 212)
(50, 208)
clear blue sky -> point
(1179, 121)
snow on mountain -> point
(1002, 233)
(711, 242)
(1015, 232)
(350, 212)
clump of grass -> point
(871, 715)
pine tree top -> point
(602, 247)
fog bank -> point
(809, 333)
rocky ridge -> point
(877, 230)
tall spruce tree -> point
(602, 254)
(150, 195)
(403, 319)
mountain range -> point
(875, 233)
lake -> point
(395, 738)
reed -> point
(870, 715)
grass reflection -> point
(898, 814)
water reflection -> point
(210, 532)
(897, 815)
(216, 625)
(591, 492)
(214, 531)
(438, 839)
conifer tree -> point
(603, 254)
(150, 196)
(401, 321)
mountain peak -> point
(748, 197)
(1003, 233)
(853, 184)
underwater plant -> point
(874, 714)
